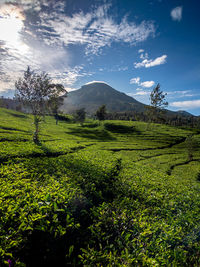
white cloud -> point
(147, 63)
(176, 13)
(96, 82)
(142, 93)
(43, 40)
(96, 29)
(5, 86)
(139, 93)
(135, 80)
(147, 84)
(69, 76)
(180, 93)
(186, 104)
(140, 51)
(69, 89)
(115, 68)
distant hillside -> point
(184, 113)
(10, 103)
(95, 94)
(92, 95)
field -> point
(110, 194)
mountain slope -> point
(92, 95)
(184, 113)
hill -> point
(121, 193)
(92, 95)
(184, 113)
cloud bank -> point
(186, 104)
(96, 29)
(43, 36)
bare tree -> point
(37, 91)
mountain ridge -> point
(90, 96)
(94, 94)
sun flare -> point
(11, 25)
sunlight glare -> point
(11, 25)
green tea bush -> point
(198, 176)
(90, 196)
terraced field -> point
(115, 194)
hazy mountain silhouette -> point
(184, 113)
(92, 95)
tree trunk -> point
(36, 133)
(56, 118)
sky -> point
(132, 45)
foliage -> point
(191, 146)
(101, 113)
(37, 92)
(157, 97)
(80, 115)
(157, 103)
(103, 198)
(55, 103)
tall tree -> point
(101, 113)
(157, 103)
(36, 91)
(56, 101)
(79, 115)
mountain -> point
(92, 95)
(184, 113)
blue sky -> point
(132, 45)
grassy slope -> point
(110, 194)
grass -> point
(115, 194)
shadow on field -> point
(13, 129)
(98, 134)
(115, 128)
(46, 247)
(22, 116)
(90, 125)
(85, 175)
(44, 148)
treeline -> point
(166, 118)
(11, 104)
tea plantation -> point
(114, 194)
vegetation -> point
(80, 115)
(98, 195)
(157, 103)
(101, 113)
(55, 103)
(37, 92)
